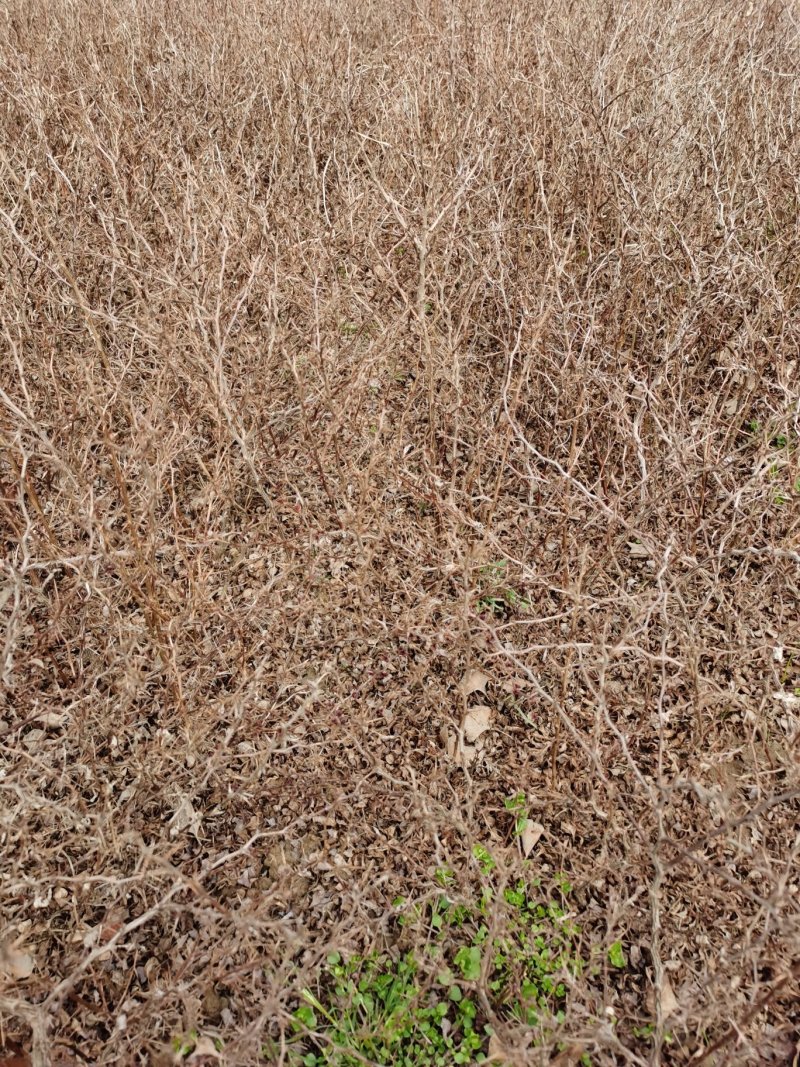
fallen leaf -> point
(476, 722)
(185, 818)
(638, 551)
(530, 835)
(569, 1057)
(463, 755)
(497, 1053)
(473, 682)
(15, 964)
(787, 698)
(204, 1052)
(52, 719)
(669, 1002)
(32, 738)
(514, 685)
(467, 755)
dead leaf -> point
(463, 755)
(569, 1057)
(530, 835)
(473, 682)
(204, 1052)
(33, 738)
(787, 698)
(497, 1053)
(638, 551)
(52, 719)
(467, 756)
(514, 685)
(476, 722)
(185, 818)
(669, 1002)
(15, 964)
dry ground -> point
(346, 348)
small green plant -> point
(647, 1033)
(420, 1010)
(616, 955)
(494, 604)
(444, 876)
(518, 806)
(498, 597)
(783, 446)
(185, 1044)
(484, 858)
(375, 1009)
(531, 962)
(564, 885)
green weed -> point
(185, 1044)
(498, 597)
(376, 1008)
(783, 446)
(616, 955)
(422, 1009)
(518, 806)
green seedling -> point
(616, 955)
(185, 1044)
(499, 597)
(445, 876)
(421, 1010)
(484, 858)
(518, 806)
(375, 1010)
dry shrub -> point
(347, 347)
